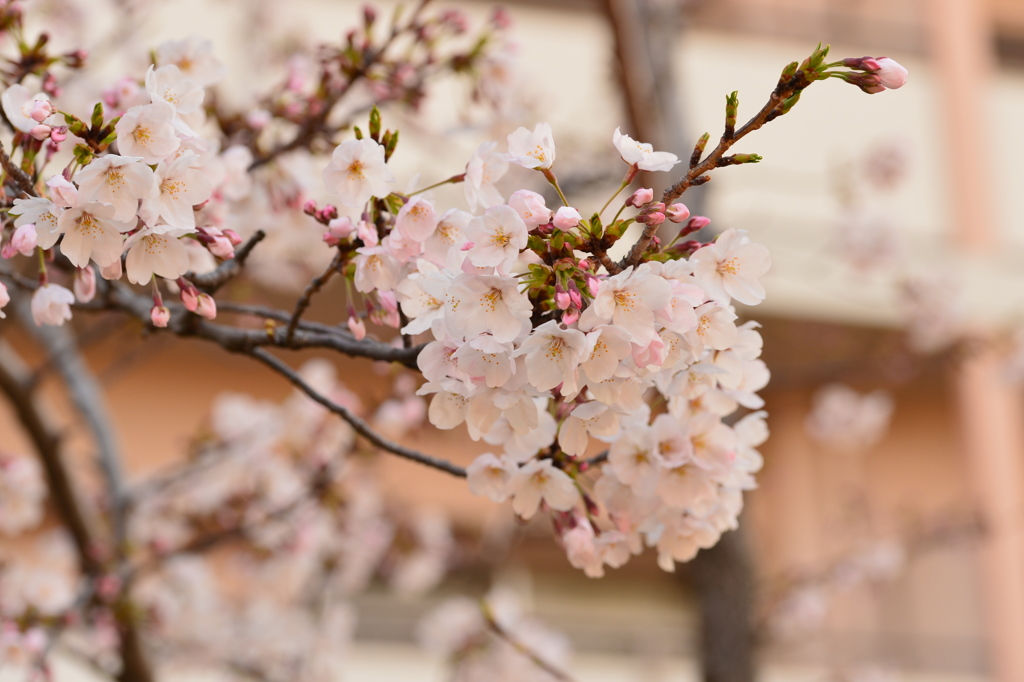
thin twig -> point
(360, 426)
(519, 646)
(307, 296)
(212, 281)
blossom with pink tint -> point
(42, 213)
(532, 149)
(147, 132)
(358, 171)
(51, 304)
(531, 208)
(19, 107)
(644, 195)
(120, 181)
(479, 304)
(732, 267)
(156, 250)
(5, 298)
(169, 84)
(485, 168)
(194, 57)
(417, 220)
(642, 154)
(489, 476)
(91, 232)
(628, 300)
(539, 481)
(179, 185)
(553, 355)
(498, 236)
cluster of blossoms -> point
(540, 349)
(130, 213)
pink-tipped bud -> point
(653, 218)
(357, 327)
(8, 251)
(330, 239)
(206, 306)
(570, 316)
(189, 297)
(221, 247)
(113, 271)
(562, 299)
(677, 213)
(695, 224)
(258, 119)
(160, 316)
(41, 110)
(574, 295)
(593, 285)
(24, 239)
(341, 227)
(327, 214)
(640, 197)
(567, 218)
(233, 237)
(891, 73)
(584, 264)
(388, 301)
(58, 134)
(41, 132)
(84, 284)
(309, 208)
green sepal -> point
(394, 203)
(83, 155)
(97, 116)
(358, 132)
(375, 123)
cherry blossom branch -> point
(20, 177)
(315, 125)
(699, 168)
(360, 426)
(212, 281)
(307, 296)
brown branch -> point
(212, 281)
(698, 173)
(307, 296)
(360, 426)
(499, 630)
(19, 176)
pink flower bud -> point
(695, 224)
(567, 218)
(330, 239)
(206, 306)
(58, 134)
(8, 251)
(570, 316)
(653, 218)
(24, 239)
(189, 297)
(40, 132)
(357, 327)
(113, 271)
(233, 237)
(593, 285)
(41, 110)
(221, 247)
(562, 299)
(388, 301)
(530, 207)
(891, 74)
(640, 197)
(574, 295)
(341, 227)
(677, 213)
(258, 119)
(5, 298)
(309, 208)
(85, 284)
(160, 316)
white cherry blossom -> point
(487, 303)
(489, 476)
(538, 480)
(91, 232)
(532, 149)
(485, 168)
(169, 84)
(156, 250)
(120, 181)
(642, 154)
(732, 266)
(180, 185)
(357, 171)
(44, 214)
(51, 304)
(552, 356)
(147, 132)
(498, 236)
